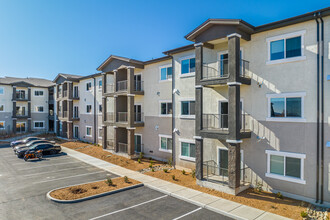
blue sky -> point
(40, 38)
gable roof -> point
(70, 77)
(36, 82)
(112, 57)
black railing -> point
(138, 86)
(122, 147)
(215, 121)
(138, 117)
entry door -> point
(137, 113)
(223, 161)
(76, 132)
(20, 127)
(223, 114)
(138, 82)
(138, 143)
(75, 112)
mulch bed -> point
(90, 189)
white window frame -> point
(100, 137)
(73, 89)
(160, 142)
(160, 108)
(74, 126)
(34, 124)
(287, 95)
(190, 141)
(90, 90)
(3, 107)
(91, 131)
(190, 73)
(160, 73)
(186, 100)
(36, 109)
(300, 156)
(34, 93)
(138, 134)
(98, 84)
(284, 37)
(91, 109)
(4, 125)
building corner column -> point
(199, 158)
(130, 141)
(104, 137)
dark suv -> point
(23, 141)
(47, 148)
(30, 144)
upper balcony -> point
(21, 96)
(122, 87)
(217, 126)
(217, 73)
(122, 119)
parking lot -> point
(23, 188)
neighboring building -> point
(241, 105)
(26, 105)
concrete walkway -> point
(216, 204)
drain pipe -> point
(173, 113)
(322, 107)
(95, 116)
(317, 109)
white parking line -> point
(30, 168)
(188, 213)
(44, 160)
(121, 210)
(55, 171)
(67, 177)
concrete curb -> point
(90, 197)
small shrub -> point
(95, 187)
(152, 170)
(139, 160)
(193, 173)
(303, 214)
(183, 172)
(126, 179)
(165, 170)
(150, 165)
(279, 195)
(259, 187)
(170, 161)
(173, 177)
(141, 155)
(109, 181)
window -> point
(187, 108)
(100, 108)
(88, 108)
(286, 107)
(165, 143)
(166, 73)
(88, 86)
(39, 109)
(2, 108)
(1, 91)
(2, 125)
(39, 124)
(285, 166)
(188, 66)
(100, 84)
(288, 47)
(100, 133)
(166, 108)
(188, 150)
(88, 131)
(38, 93)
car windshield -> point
(32, 147)
(30, 144)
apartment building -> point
(26, 105)
(79, 106)
(245, 105)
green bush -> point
(126, 179)
(152, 170)
(259, 187)
(279, 195)
(170, 161)
(303, 214)
(173, 177)
(141, 155)
(165, 170)
(183, 172)
(193, 173)
(150, 165)
(109, 181)
(139, 160)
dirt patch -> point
(90, 189)
(261, 200)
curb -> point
(89, 197)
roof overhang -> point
(213, 29)
(132, 62)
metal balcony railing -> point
(110, 88)
(110, 117)
(138, 117)
(220, 69)
(75, 95)
(21, 96)
(122, 116)
(122, 85)
(21, 114)
(65, 93)
(65, 114)
(110, 144)
(122, 147)
(212, 172)
(75, 114)
(215, 121)
(138, 86)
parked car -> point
(23, 141)
(31, 143)
(47, 148)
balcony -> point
(110, 117)
(219, 72)
(122, 117)
(21, 114)
(122, 86)
(110, 144)
(21, 97)
(122, 147)
(65, 114)
(138, 117)
(75, 115)
(65, 93)
(75, 96)
(110, 88)
(138, 86)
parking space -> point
(23, 188)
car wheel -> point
(53, 152)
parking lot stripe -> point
(121, 210)
(188, 213)
(55, 171)
(30, 168)
(45, 160)
(67, 177)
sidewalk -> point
(204, 200)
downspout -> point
(317, 110)
(173, 113)
(95, 117)
(322, 107)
